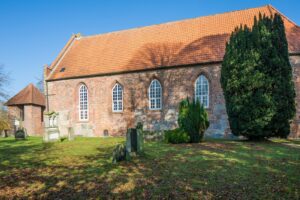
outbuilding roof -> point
(30, 95)
(191, 41)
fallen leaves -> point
(211, 170)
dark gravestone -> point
(129, 141)
(134, 145)
(20, 134)
(134, 141)
(140, 140)
(133, 138)
(105, 133)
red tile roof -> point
(29, 95)
(191, 41)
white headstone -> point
(54, 136)
(17, 122)
(50, 121)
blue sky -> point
(34, 31)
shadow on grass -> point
(213, 169)
(22, 153)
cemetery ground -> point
(82, 169)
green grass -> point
(215, 169)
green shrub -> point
(176, 136)
(193, 119)
(20, 134)
(119, 153)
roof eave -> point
(134, 71)
(142, 70)
(24, 104)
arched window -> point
(155, 95)
(117, 97)
(202, 91)
(83, 103)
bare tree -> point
(40, 83)
(4, 121)
(4, 80)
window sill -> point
(208, 109)
(155, 109)
(117, 112)
(83, 121)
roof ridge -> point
(173, 22)
(32, 89)
(61, 55)
(13, 97)
(28, 95)
(62, 51)
(270, 7)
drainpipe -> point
(47, 96)
(46, 86)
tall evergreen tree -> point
(256, 78)
(284, 91)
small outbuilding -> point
(26, 110)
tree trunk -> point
(5, 134)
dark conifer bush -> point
(256, 78)
(193, 119)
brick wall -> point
(177, 83)
(32, 118)
(295, 128)
(13, 113)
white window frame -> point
(118, 101)
(155, 98)
(81, 117)
(200, 96)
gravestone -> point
(133, 138)
(134, 141)
(134, 145)
(51, 128)
(20, 134)
(140, 140)
(105, 133)
(71, 135)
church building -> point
(103, 84)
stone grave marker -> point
(51, 128)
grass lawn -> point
(82, 169)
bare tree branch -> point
(4, 80)
(40, 83)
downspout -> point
(47, 96)
(46, 93)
